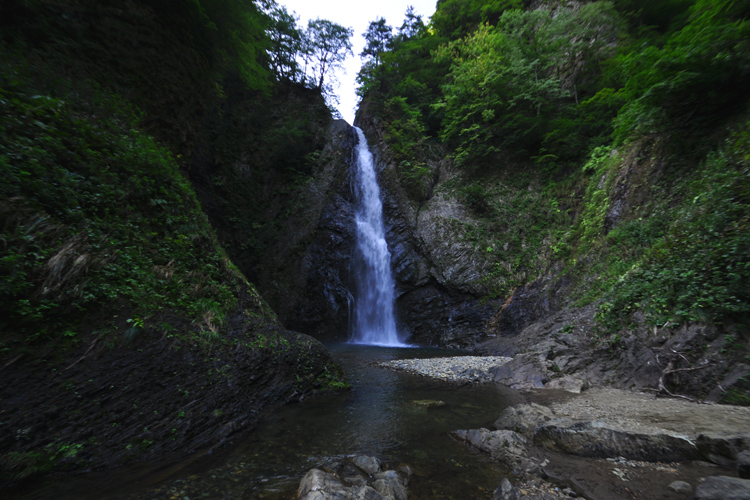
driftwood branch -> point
(671, 369)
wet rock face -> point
(306, 273)
(323, 306)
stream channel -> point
(391, 415)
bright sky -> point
(356, 15)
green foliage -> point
(286, 44)
(697, 268)
(95, 214)
(20, 465)
(514, 87)
(378, 37)
(646, 16)
(696, 80)
(457, 18)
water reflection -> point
(386, 414)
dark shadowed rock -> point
(721, 447)
(723, 488)
(609, 439)
(743, 464)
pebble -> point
(453, 369)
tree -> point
(412, 25)
(512, 85)
(329, 44)
(457, 18)
(378, 37)
(285, 44)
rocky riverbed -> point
(461, 369)
(602, 443)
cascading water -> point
(373, 321)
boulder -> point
(371, 465)
(505, 491)
(391, 485)
(347, 481)
(523, 418)
(680, 487)
(607, 439)
(723, 488)
(319, 485)
(722, 448)
(503, 446)
(520, 373)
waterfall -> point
(373, 321)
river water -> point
(391, 415)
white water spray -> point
(373, 320)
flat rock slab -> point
(472, 369)
(524, 418)
(677, 415)
(720, 432)
(723, 488)
(601, 439)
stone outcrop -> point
(743, 464)
(362, 478)
(609, 423)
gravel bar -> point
(453, 369)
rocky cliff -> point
(466, 278)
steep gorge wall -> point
(448, 248)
